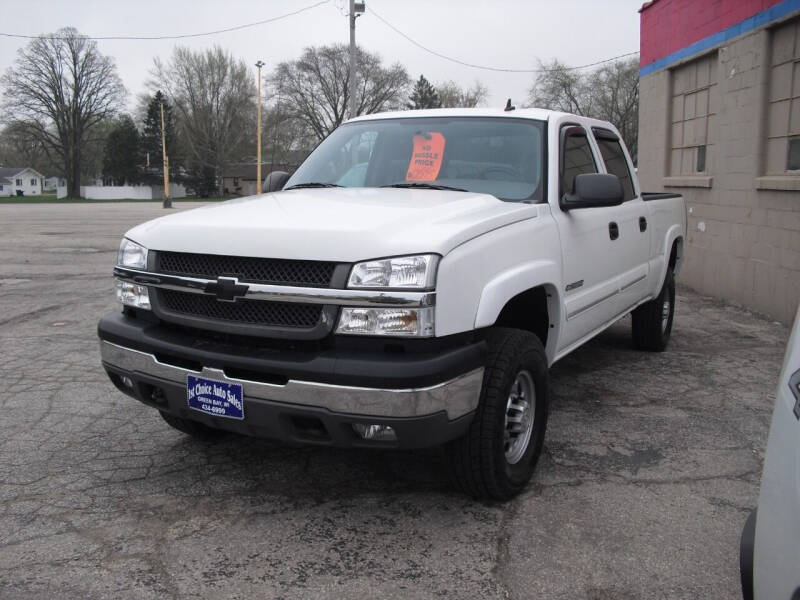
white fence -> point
(125, 192)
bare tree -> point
(314, 87)
(453, 95)
(213, 95)
(19, 148)
(616, 88)
(610, 93)
(60, 89)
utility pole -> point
(259, 183)
(356, 10)
(167, 200)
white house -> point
(50, 184)
(20, 179)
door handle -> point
(642, 224)
(613, 230)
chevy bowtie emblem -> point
(226, 289)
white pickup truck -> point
(409, 286)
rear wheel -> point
(192, 428)
(652, 321)
(497, 456)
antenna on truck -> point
(509, 106)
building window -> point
(33, 182)
(19, 181)
(693, 115)
(784, 99)
(700, 165)
(793, 159)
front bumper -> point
(303, 399)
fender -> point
(673, 233)
(507, 284)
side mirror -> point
(592, 190)
(275, 181)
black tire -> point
(747, 554)
(478, 461)
(192, 428)
(651, 331)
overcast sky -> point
(510, 34)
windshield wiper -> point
(425, 186)
(311, 184)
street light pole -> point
(260, 185)
(167, 200)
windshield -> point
(498, 156)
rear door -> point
(631, 250)
(589, 274)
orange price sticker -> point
(426, 159)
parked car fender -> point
(481, 275)
(508, 284)
(675, 232)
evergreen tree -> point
(151, 139)
(121, 157)
(424, 95)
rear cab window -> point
(614, 158)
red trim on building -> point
(669, 25)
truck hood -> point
(336, 224)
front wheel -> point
(497, 456)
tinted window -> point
(614, 157)
(577, 158)
(503, 157)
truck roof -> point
(539, 114)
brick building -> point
(719, 122)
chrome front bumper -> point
(457, 397)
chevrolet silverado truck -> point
(409, 286)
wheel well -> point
(676, 255)
(527, 310)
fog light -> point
(132, 294)
(378, 433)
(126, 381)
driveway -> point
(651, 463)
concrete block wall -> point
(744, 236)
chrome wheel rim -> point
(520, 409)
(665, 315)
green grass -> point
(51, 199)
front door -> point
(589, 273)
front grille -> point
(251, 312)
(274, 271)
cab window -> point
(576, 157)
(614, 159)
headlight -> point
(402, 322)
(410, 272)
(132, 294)
(132, 255)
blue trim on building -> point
(773, 13)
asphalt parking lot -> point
(651, 463)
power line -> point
(485, 68)
(173, 37)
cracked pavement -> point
(651, 463)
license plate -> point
(216, 398)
